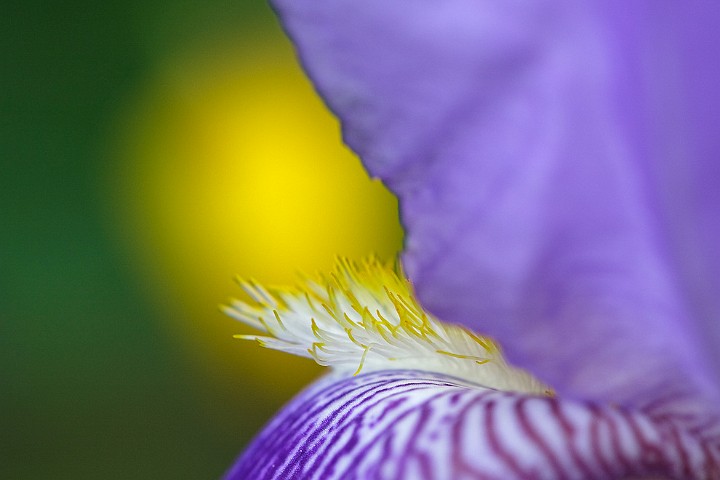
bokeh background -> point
(150, 151)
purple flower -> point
(557, 169)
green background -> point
(91, 385)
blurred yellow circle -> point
(233, 166)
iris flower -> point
(556, 164)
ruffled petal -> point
(522, 141)
(405, 424)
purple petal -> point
(424, 426)
(554, 163)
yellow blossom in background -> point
(230, 165)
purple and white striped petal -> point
(556, 167)
(418, 425)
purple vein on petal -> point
(418, 423)
(529, 429)
(356, 410)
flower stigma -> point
(364, 317)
